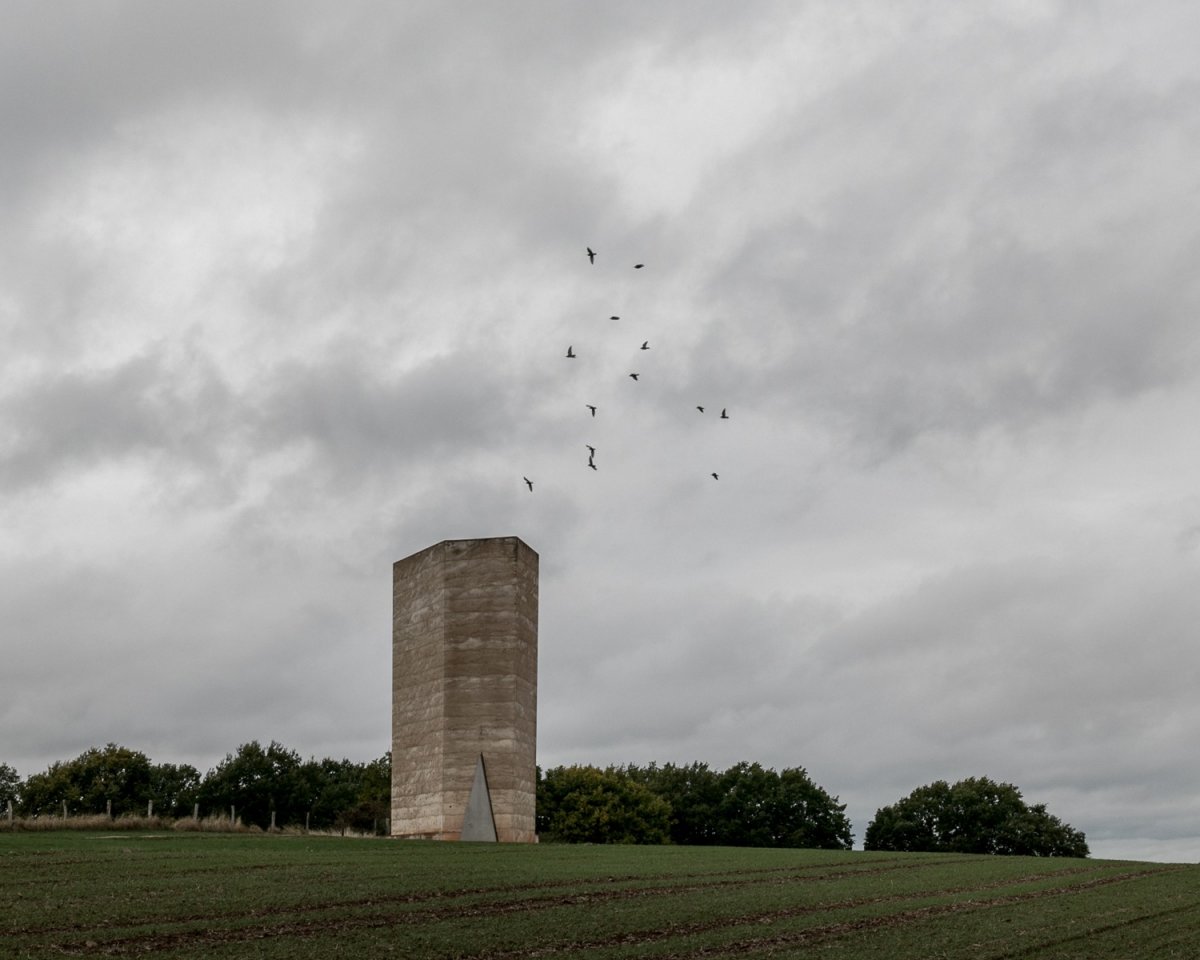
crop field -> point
(208, 895)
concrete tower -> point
(464, 691)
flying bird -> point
(634, 375)
(614, 318)
(528, 483)
(591, 450)
(701, 409)
(593, 466)
(715, 477)
(591, 255)
(590, 407)
(645, 344)
(638, 266)
(724, 415)
(571, 353)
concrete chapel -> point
(464, 691)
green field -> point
(208, 895)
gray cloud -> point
(286, 296)
(149, 407)
(353, 415)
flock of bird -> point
(572, 355)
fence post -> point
(108, 808)
(10, 812)
(232, 815)
(64, 809)
(149, 809)
(196, 812)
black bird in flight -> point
(634, 375)
(528, 483)
(614, 318)
(591, 255)
(593, 466)
(724, 415)
(590, 407)
(645, 344)
(715, 477)
(638, 266)
(591, 450)
(701, 409)
(570, 353)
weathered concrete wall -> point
(418, 693)
(464, 684)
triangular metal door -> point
(478, 822)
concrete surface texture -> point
(464, 686)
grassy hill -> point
(210, 895)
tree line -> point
(745, 805)
(749, 806)
(257, 785)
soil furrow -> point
(790, 874)
(309, 929)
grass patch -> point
(194, 894)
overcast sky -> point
(285, 295)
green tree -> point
(746, 813)
(1038, 833)
(976, 815)
(331, 789)
(377, 780)
(342, 794)
(762, 808)
(746, 805)
(174, 788)
(694, 795)
(807, 816)
(375, 794)
(588, 805)
(89, 783)
(44, 793)
(258, 782)
(10, 786)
